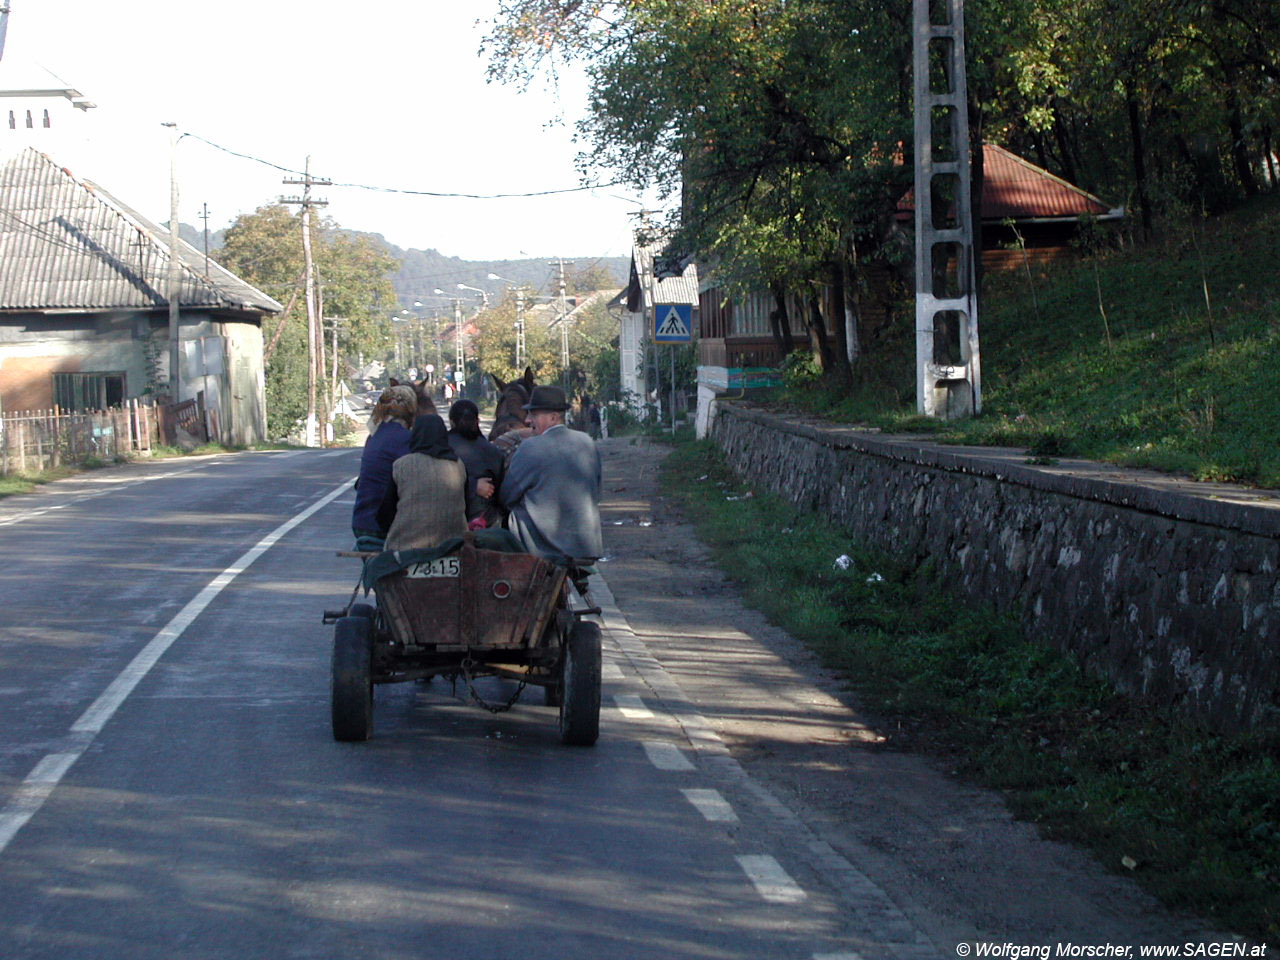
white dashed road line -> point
(632, 707)
(46, 775)
(769, 879)
(666, 756)
(873, 914)
(711, 804)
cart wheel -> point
(352, 679)
(580, 685)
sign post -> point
(673, 323)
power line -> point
(419, 193)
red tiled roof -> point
(1015, 188)
(1012, 187)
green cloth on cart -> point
(390, 561)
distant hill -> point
(423, 271)
(195, 236)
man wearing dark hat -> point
(552, 486)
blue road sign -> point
(672, 322)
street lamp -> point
(484, 296)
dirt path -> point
(948, 855)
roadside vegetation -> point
(1192, 816)
(1159, 356)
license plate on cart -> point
(440, 567)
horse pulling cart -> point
(475, 606)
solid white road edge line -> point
(46, 775)
(770, 880)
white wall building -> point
(635, 339)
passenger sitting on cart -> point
(389, 426)
(552, 485)
(483, 462)
(426, 500)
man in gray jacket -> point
(552, 486)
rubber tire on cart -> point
(351, 684)
(366, 610)
(580, 685)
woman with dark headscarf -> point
(426, 502)
(483, 462)
(388, 441)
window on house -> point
(88, 391)
(30, 125)
(46, 118)
(13, 120)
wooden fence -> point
(35, 440)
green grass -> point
(1164, 394)
(1197, 814)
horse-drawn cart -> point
(474, 606)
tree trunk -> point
(779, 321)
(1139, 158)
(839, 323)
(853, 304)
(1269, 156)
(817, 329)
(1066, 155)
(1239, 151)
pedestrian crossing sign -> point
(673, 322)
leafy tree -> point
(265, 249)
(592, 333)
(782, 125)
(767, 116)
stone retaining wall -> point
(1170, 594)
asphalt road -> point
(169, 787)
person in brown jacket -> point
(427, 499)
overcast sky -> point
(382, 92)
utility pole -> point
(307, 182)
(519, 328)
(439, 370)
(204, 215)
(948, 368)
(4, 24)
(324, 399)
(335, 322)
(459, 360)
(560, 264)
(174, 293)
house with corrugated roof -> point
(1028, 214)
(84, 308)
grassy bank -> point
(1118, 358)
(1193, 817)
